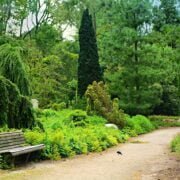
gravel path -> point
(145, 157)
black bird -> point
(119, 152)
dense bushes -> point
(73, 132)
(69, 132)
(175, 144)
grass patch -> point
(175, 144)
(165, 121)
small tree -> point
(88, 65)
(99, 102)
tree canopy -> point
(132, 45)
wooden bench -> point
(12, 144)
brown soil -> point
(147, 158)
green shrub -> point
(99, 102)
(79, 117)
(175, 144)
(130, 132)
(49, 113)
(34, 137)
(96, 120)
(140, 124)
(58, 107)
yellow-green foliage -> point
(71, 132)
(175, 144)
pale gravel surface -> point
(148, 160)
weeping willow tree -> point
(12, 67)
(3, 102)
(15, 110)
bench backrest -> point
(10, 140)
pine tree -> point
(166, 13)
(88, 65)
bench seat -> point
(23, 150)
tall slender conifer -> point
(88, 65)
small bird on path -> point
(119, 152)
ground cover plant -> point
(66, 133)
(69, 132)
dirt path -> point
(147, 158)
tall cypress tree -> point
(88, 65)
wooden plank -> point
(3, 141)
(10, 136)
(27, 149)
(11, 144)
(5, 149)
(11, 139)
(2, 133)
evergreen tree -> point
(12, 67)
(15, 110)
(88, 65)
(166, 13)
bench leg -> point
(27, 157)
(13, 161)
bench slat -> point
(27, 149)
(10, 139)
(15, 132)
(7, 145)
(23, 150)
(11, 134)
(10, 147)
